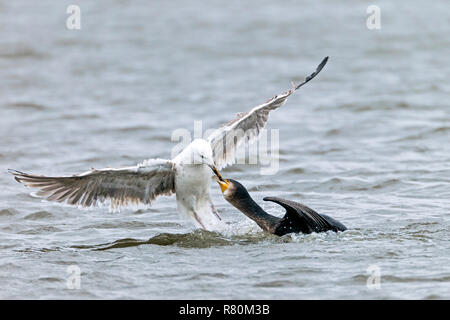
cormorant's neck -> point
(252, 210)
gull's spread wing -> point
(122, 186)
(248, 125)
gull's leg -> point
(215, 211)
(213, 208)
(198, 219)
(192, 204)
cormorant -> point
(298, 217)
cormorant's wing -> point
(137, 184)
(248, 125)
(300, 218)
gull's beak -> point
(223, 183)
(218, 175)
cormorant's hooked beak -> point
(223, 183)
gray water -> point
(366, 142)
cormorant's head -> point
(231, 189)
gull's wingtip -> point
(322, 64)
(17, 174)
(315, 73)
(12, 171)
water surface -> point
(366, 142)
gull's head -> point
(201, 153)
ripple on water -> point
(279, 284)
(294, 171)
(206, 275)
(362, 107)
(27, 105)
(393, 278)
(40, 230)
(356, 184)
(425, 134)
(265, 187)
(20, 51)
(40, 215)
(132, 225)
(8, 212)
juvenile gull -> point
(187, 175)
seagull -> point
(187, 175)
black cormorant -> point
(298, 217)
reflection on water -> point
(197, 239)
